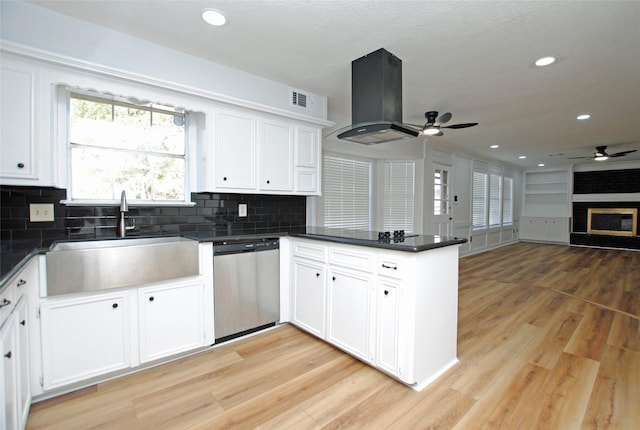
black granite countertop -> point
(15, 254)
(408, 242)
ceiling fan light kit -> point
(600, 154)
(433, 126)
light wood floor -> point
(548, 338)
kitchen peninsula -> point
(389, 300)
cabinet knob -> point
(23, 322)
(20, 165)
(333, 278)
(8, 355)
(114, 306)
(224, 179)
(268, 181)
(151, 298)
(4, 303)
(21, 282)
(317, 275)
(386, 292)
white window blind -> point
(347, 201)
(479, 200)
(495, 200)
(399, 189)
(507, 202)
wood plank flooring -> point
(548, 338)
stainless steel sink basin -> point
(103, 264)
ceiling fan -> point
(600, 154)
(434, 125)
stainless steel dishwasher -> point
(246, 285)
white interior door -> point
(442, 216)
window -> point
(495, 200)
(117, 145)
(399, 186)
(440, 191)
(507, 201)
(347, 201)
(479, 200)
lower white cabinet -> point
(349, 311)
(544, 229)
(10, 412)
(171, 319)
(394, 310)
(309, 296)
(89, 336)
(85, 337)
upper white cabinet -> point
(18, 115)
(235, 150)
(260, 153)
(276, 155)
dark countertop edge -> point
(382, 245)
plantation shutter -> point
(479, 200)
(495, 200)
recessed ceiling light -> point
(540, 164)
(214, 17)
(583, 116)
(522, 157)
(494, 146)
(545, 61)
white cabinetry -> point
(171, 319)
(276, 155)
(15, 372)
(260, 153)
(235, 150)
(84, 337)
(394, 310)
(544, 229)
(307, 165)
(17, 122)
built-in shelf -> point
(547, 193)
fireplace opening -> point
(612, 221)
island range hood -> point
(376, 100)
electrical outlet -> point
(242, 210)
(40, 212)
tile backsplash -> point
(213, 215)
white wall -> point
(38, 28)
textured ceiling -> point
(473, 59)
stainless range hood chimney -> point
(376, 100)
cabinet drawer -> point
(392, 266)
(351, 259)
(310, 250)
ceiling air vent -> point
(298, 99)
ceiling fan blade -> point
(622, 153)
(579, 158)
(463, 125)
(444, 118)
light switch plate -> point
(40, 212)
(242, 209)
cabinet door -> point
(349, 311)
(309, 296)
(558, 229)
(307, 150)
(85, 337)
(387, 325)
(235, 143)
(17, 124)
(171, 319)
(22, 362)
(9, 390)
(276, 156)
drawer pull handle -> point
(21, 282)
(384, 266)
(4, 303)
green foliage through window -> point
(118, 146)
